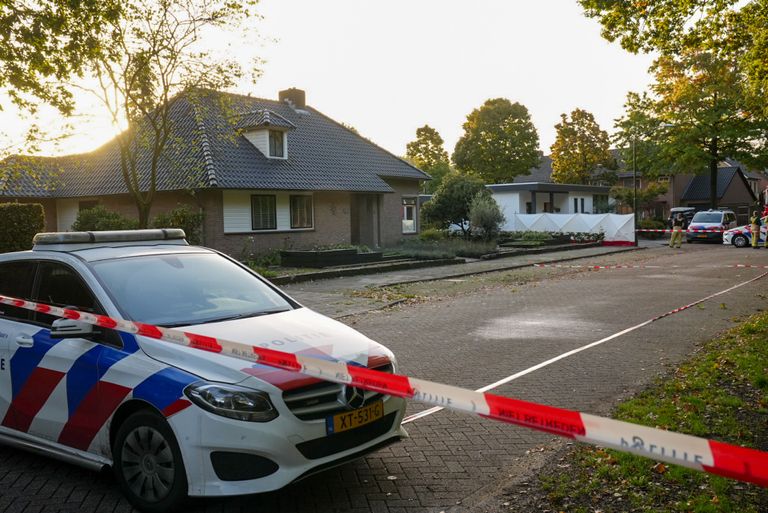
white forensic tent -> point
(616, 227)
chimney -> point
(297, 98)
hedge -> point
(19, 222)
(99, 218)
(186, 218)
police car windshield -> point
(708, 217)
(186, 289)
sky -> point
(389, 67)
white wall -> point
(66, 213)
(513, 202)
(237, 210)
(509, 202)
(587, 203)
(260, 139)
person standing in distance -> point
(677, 231)
(754, 227)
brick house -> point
(737, 189)
(266, 174)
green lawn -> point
(722, 394)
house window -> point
(575, 205)
(409, 215)
(276, 146)
(301, 211)
(263, 212)
(528, 207)
(581, 200)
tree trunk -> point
(143, 209)
(713, 161)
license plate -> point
(355, 418)
(702, 235)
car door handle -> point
(25, 341)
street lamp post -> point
(634, 185)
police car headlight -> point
(232, 401)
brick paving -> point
(454, 462)
(331, 297)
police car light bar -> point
(108, 236)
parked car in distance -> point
(716, 220)
(170, 420)
(741, 236)
(688, 213)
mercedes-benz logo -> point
(351, 397)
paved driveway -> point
(454, 462)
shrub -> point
(536, 236)
(186, 218)
(651, 224)
(19, 222)
(451, 202)
(446, 248)
(485, 216)
(362, 248)
(432, 234)
(99, 218)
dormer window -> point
(267, 131)
(277, 144)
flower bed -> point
(318, 258)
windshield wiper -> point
(244, 315)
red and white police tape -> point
(727, 460)
(623, 266)
(584, 266)
(660, 230)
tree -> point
(639, 133)
(499, 142)
(486, 216)
(672, 27)
(451, 203)
(155, 58)
(580, 148)
(711, 115)
(45, 42)
(645, 197)
(428, 154)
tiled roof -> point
(29, 177)
(698, 188)
(206, 151)
(542, 173)
(263, 118)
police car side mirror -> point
(69, 328)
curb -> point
(356, 271)
(505, 268)
(541, 250)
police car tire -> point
(139, 427)
(739, 241)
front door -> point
(365, 220)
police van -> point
(173, 421)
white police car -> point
(174, 421)
(741, 237)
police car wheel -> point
(739, 241)
(148, 464)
